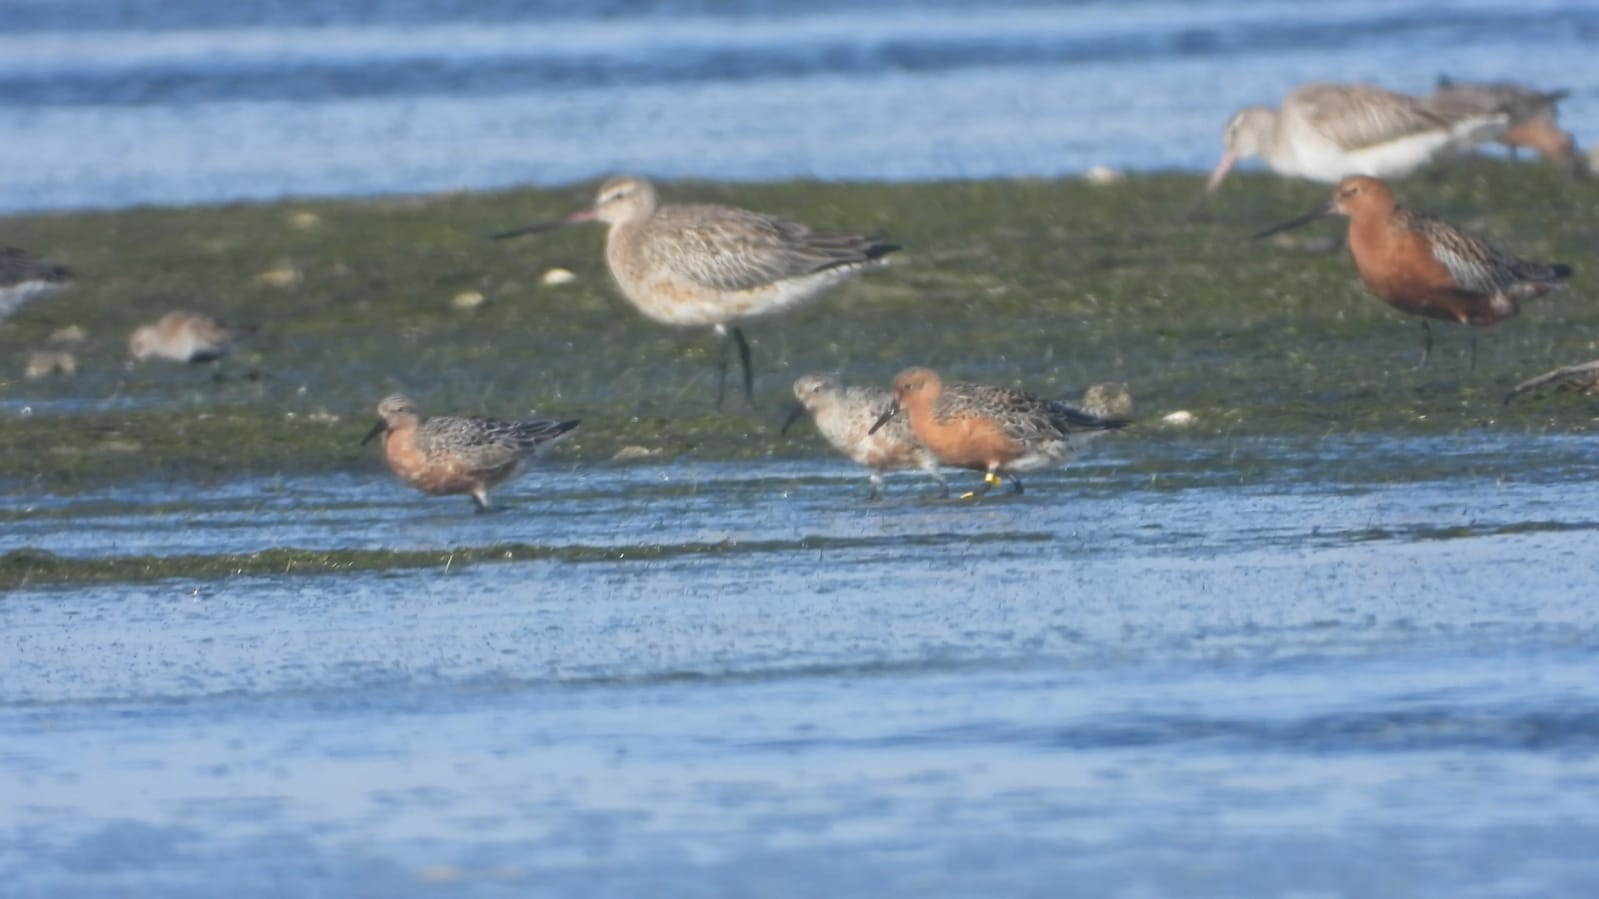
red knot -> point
(697, 265)
(1427, 267)
(181, 336)
(25, 277)
(449, 454)
(844, 416)
(991, 429)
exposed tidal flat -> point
(1334, 638)
(1047, 285)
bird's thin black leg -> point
(744, 359)
(721, 366)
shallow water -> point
(112, 103)
(1340, 667)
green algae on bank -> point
(28, 566)
(1049, 285)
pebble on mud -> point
(1104, 174)
(556, 277)
(1182, 418)
(629, 453)
(467, 299)
(281, 276)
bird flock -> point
(698, 265)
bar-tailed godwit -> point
(1533, 119)
(25, 277)
(183, 336)
(1325, 132)
(1427, 267)
(697, 265)
(845, 416)
(448, 454)
(991, 429)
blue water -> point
(111, 103)
(1282, 668)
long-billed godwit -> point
(695, 265)
(447, 454)
(1532, 118)
(1325, 132)
(182, 336)
(25, 277)
(991, 429)
(1427, 267)
(845, 416)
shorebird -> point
(25, 277)
(1582, 377)
(1326, 132)
(181, 336)
(696, 265)
(845, 416)
(991, 429)
(1532, 119)
(447, 454)
(1427, 267)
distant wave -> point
(120, 68)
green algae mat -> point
(1046, 285)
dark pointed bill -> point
(888, 413)
(794, 414)
(582, 215)
(377, 429)
(1295, 222)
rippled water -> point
(108, 103)
(1343, 667)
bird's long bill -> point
(1219, 174)
(888, 413)
(1211, 183)
(377, 429)
(582, 215)
(794, 414)
(1295, 222)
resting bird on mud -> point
(191, 337)
(25, 277)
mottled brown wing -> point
(1358, 115)
(1476, 265)
(485, 443)
(1459, 99)
(734, 249)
